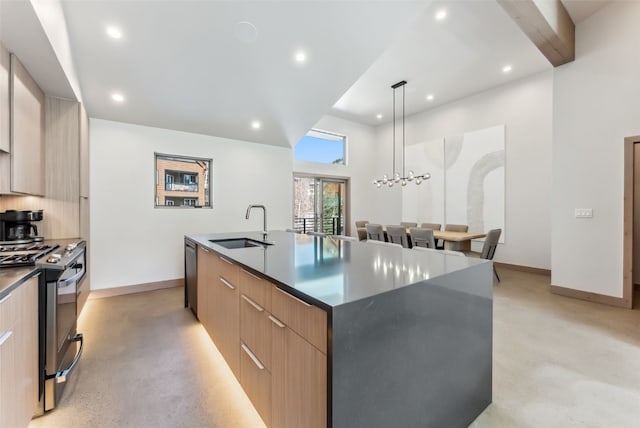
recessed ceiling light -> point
(430, 97)
(114, 32)
(506, 69)
(117, 97)
(256, 124)
(379, 116)
(300, 57)
(440, 15)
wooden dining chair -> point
(361, 223)
(422, 237)
(398, 235)
(374, 232)
(407, 225)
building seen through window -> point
(182, 181)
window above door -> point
(322, 147)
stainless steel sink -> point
(234, 243)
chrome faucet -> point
(264, 218)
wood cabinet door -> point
(298, 380)
(27, 139)
(5, 142)
(84, 153)
(9, 417)
(225, 317)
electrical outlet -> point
(583, 212)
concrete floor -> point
(558, 362)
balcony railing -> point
(181, 187)
(330, 225)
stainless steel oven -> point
(60, 344)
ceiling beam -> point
(548, 24)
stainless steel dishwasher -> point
(190, 276)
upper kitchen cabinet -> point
(84, 153)
(5, 142)
(27, 133)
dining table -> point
(455, 241)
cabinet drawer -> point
(256, 382)
(258, 289)
(255, 329)
(226, 269)
(307, 320)
(8, 310)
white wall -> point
(131, 241)
(596, 104)
(360, 168)
(524, 107)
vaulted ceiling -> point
(216, 67)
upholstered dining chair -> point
(398, 235)
(374, 232)
(489, 248)
(434, 226)
(361, 229)
(422, 237)
(452, 228)
(407, 224)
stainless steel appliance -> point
(63, 273)
(190, 276)
(15, 255)
(19, 226)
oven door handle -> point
(74, 278)
(61, 376)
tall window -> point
(183, 181)
(323, 147)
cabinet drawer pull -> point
(226, 261)
(276, 321)
(227, 283)
(252, 303)
(206, 250)
(293, 297)
(252, 275)
(5, 298)
(256, 361)
(5, 336)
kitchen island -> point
(323, 332)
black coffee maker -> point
(19, 226)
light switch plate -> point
(584, 212)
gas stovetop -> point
(24, 254)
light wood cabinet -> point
(19, 355)
(298, 380)
(27, 132)
(205, 267)
(84, 153)
(5, 142)
(224, 311)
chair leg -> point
(496, 273)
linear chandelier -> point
(395, 176)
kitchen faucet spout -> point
(264, 217)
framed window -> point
(183, 181)
(322, 147)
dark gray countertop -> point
(10, 278)
(330, 272)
